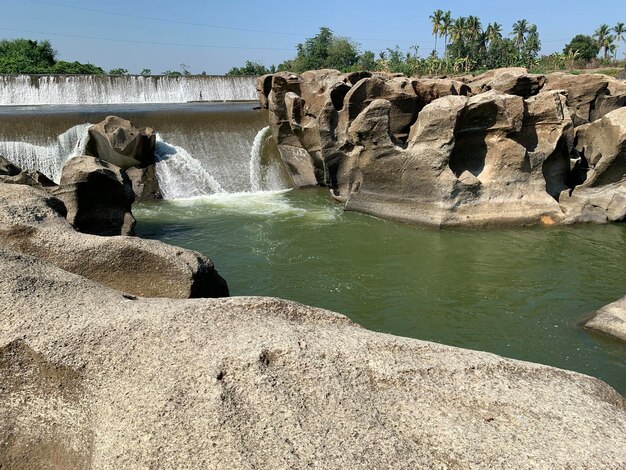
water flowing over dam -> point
(201, 148)
(104, 89)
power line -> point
(152, 43)
(188, 23)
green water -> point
(516, 292)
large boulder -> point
(98, 196)
(512, 81)
(589, 96)
(33, 222)
(116, 140)
(601, 196)
(89, 378)
(610, 319)
(12, 174)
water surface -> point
(518, 292)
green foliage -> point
(250, 68)
(585, 47)
(118, 71)
(172, 73)
(28, 56)
(75, 68)
(145, 72)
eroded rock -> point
(260, 382)
(33, 222)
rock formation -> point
(117, 141)
(501, 148)
(98, 197)
(33, 222)
(90, 378)
(610, 319)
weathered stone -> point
(601, 197)
(33, 222)
(117, 141)
(622, 75)
(610, 319)
(7, 168)
(98, 197)
(266, 383)
(512, 81)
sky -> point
(214, 36)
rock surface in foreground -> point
(266, 383)
(33, 222)
(610, 319)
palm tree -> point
(604, 38)
(619, 31)
(473, 27)
(520, 28)
(459, 29)
(494, 32)
(435, 19)
(446, 25)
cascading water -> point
(102, 89)
(48, 158)
(182, 176)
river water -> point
(518, 292)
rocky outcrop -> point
(601, 151)
(610, 319)
(622, 75)
(12, 174)
(497, 149)
(115, 140)
(33, 222)
(98, 197)
(108, 382)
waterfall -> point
(104, 89)
(180, 175)
(48, 158)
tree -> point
(75, 68)
(531, 47)
(585, 47)
(494, 32)
(619, 31)
(435, 20)
(459, 29)
(474, 28)
(446, 25)
(26, 56)
(250, 68)
(118, 71)
(313, 52)
(520, 29)
(367, 61)
(145, 72)
(604, 38)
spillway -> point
(111, 89)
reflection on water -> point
(519, 292)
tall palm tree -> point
(435, 20)
(619, 31)
(446, 25)
(520, 29)
(494, 32)
(604, 38)
(459, 29)
(473, 27)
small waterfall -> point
(50, 158)
(180, 175)
(255, 159)
(104, 89)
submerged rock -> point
(610, 319)
(33, 222)
(265, 383)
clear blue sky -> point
(267, 31)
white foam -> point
(48, 159)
